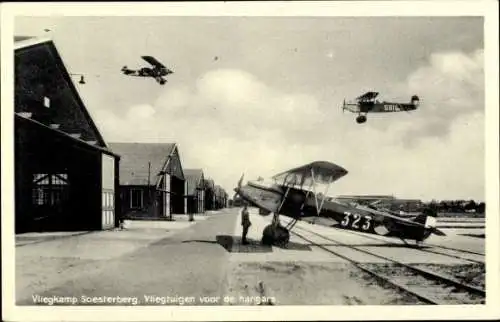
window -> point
(49, 189)
(46, 101)
(136, 198)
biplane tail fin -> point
(415, 100)
(426, 219)
(430, 222)
(237, 189)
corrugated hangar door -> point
(108, 192)
(166, 196)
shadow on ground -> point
(475, 235)
(233, 244)
(379, 245)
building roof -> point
(136, 158)
(367, 197)
(25, 44)
(193, 178)
(19, 39)
(209, 184)
(219, 191)
(76, 141)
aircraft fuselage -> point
(386, 107)
(298, 204)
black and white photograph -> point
(241, 158)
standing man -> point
(245, 222)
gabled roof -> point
(25, 43)
(193, 178)
(141, 163)
(76, 141)
(20, 40)
(219, 191)
(367, 197)
(209, 184)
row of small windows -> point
(49, 189)
(53, 189)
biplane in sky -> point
(367, 103)
(294, 193)
(157, 71)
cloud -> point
(228, 122)
(450, 86)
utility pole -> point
(149, 188)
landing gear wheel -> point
(279, 236)
(361, 119)
(268, 236)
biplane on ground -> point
(157, 71)
(367, 103)
(294, 193)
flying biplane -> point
(294, 194)
(157, 71)
(367, 103)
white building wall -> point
(202, 200)
(167, 196)
(108, 191)
(185, 194)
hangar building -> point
(195, 190)
(220, 197)
(152, 182)
(65, 175)
(209, 194)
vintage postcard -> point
(250, 161)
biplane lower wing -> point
(261, 196)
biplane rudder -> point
(415, 100)
(429, 220)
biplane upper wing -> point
(367, 96)
(318, 172)
(153, 61)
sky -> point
(259, 95)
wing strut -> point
(319, 206)
(277, 214)
(283, 200)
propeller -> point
(239, 186)
(343, 106)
